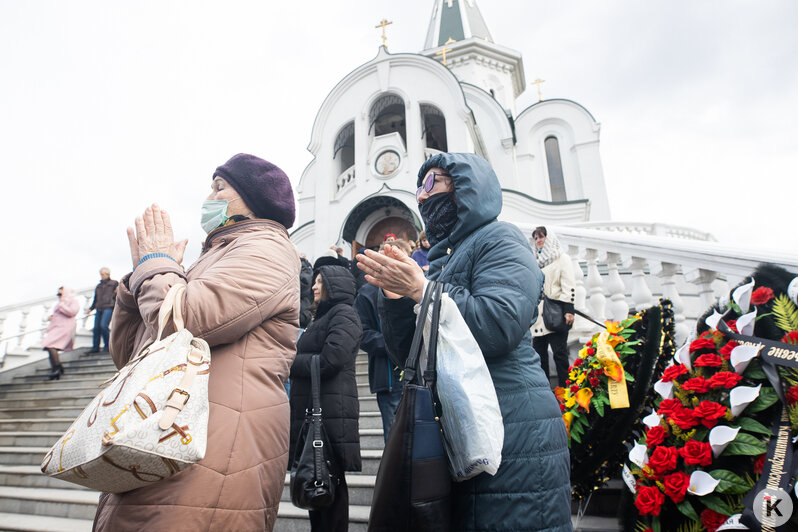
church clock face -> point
(387, 163)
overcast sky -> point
(108, 106)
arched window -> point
(556, 179)
(344, 148)
(387, 115)
(434, 124)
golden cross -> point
(539, 82)
(382, 25)
(444, 50)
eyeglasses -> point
(429, 183)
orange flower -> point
(583, 397)
(567, 418)
(613, 327)
(559, 393)
(614, 371)
(614, 340)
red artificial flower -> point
(663, 459)
(669, 406)
(671, 372)
(725, 351)
(759, 463)
(574, 388)
(724, 379)
(702, 343)
(562, 407)
(684, 418)
(697, 384)
(792, 395)
(655, 436)
(732, 324)
(676, 485)
(696, 453)
(708, 360)
(567, 382)
(589, 342)
(709, 412)
(578, 362)
(594, 381)
(712, 520)
(790, 338)
(649, 500)
(591, 351)
(761, 295)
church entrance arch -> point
(371, 219)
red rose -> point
(697, 384)
(562, 407)
(655, 436)
(567, 382)
(708, 360)
(792, 395)
(676, 485)
(696, 453)
(790, 338)
(761, 295)
(663, 459)
(574, 388)
(712, 519)
(671, 372)
(649, 500)
(594, 381)
(684, 418)
(702, 343)
(732, 324)
(725, 351)
(759, 463)
(591, 351)
(724, 379)
(709, 413)
(578, 362)
(668, 406)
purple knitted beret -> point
(263, 186)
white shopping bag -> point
(471, 419)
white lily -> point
(720, 437)
(742, 396)
(702, 483)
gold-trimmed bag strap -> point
(179, 396)
(172, 305)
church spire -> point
(455, 19)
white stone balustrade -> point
(22, 325)
(688, 267)
(344, 182)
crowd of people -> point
(266, 310)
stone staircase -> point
(35, 412)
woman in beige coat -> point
(558, 284)
(242, 297)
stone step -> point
(67, 379)
(29, 439)
(37, 389)
(22, 456)
(41, 412)
(47, 401)
(30, 476)
(43, 523)
(293, 519)
(74, 504)
(83, 371)
(603, 502)
(36, 424)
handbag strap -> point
(411, 365)
(430, 374)
(316, 420)
(171, 306)
(315, 384)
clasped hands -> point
(153, 234)
(397, 274)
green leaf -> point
(713, 502)
(786, 313)
(687, 509)
(746, 445)
(729, 482)
(628, 376)
(767, 396)
(598, 405)
(754, 371)
(655, 524)
(752, 425)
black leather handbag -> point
(413, 487)
(554, 315)
(313, 471)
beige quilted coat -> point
(242, 297)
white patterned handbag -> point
(149, 423)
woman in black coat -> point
(335, 334)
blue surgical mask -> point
(214, 214)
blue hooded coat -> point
(490, 272)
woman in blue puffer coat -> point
(490, 271)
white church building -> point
(384, 119)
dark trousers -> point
(388, 402)
(334, 518)
(102, 321)
(559, 346)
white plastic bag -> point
(471, 419)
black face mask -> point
(439, 213)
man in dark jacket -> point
(305, 291)
(103, 303)
(383, 376)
